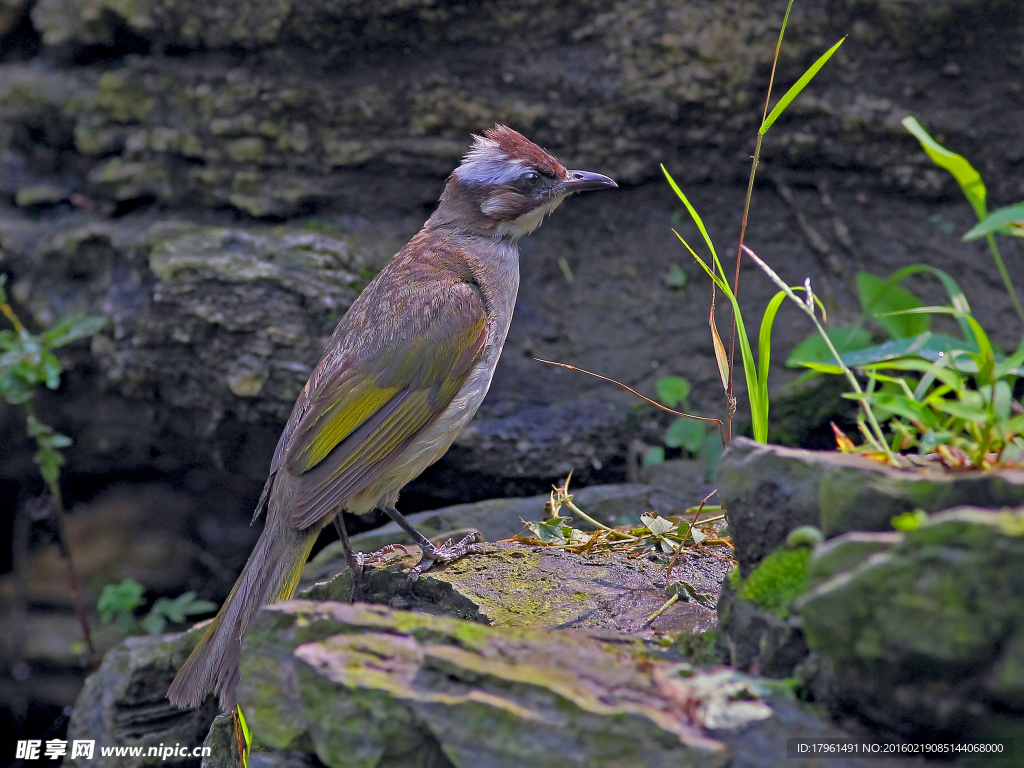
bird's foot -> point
(359, 559)
(445, 553)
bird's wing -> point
(368, 404)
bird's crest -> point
(501, 156)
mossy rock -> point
(360, 685)
(513, 585)
(921, 632)
(770, 490)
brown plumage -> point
(404, 371)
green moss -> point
(778, 580)
(698, 648)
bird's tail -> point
(271, 574)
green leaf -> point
(655, 455)
(907, 407)
(764, 344)
(14, 389)
(153, 623)
(693, 214)
(798, 86)
(758, 405)
(676, 277)
(551, 531)
(196, 607)
(968, 178)
(656, 524)
(878, 296)
(1002, 399)
(823, 368)
(710, 452)
(845, 338)
(974, 414)
(246, 734)
(910, 521)
(930, 346)
(119, 600)
(1005, 221)
(686, 433)
(50, 370)
(1012, 364)
(672, 390)
(71, 328)
(685, 590)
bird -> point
(404, 371)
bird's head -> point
(506, 185)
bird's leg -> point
(356, 560)
(432, 553)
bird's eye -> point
(529, 180)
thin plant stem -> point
(877, 437)
(629, 389)
(664, 607)
(569, 503)
(1005, 275)
(60, 518)
(8, 312)
(700, 508)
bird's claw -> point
(359, 559)
(445, 553)
(372, 558)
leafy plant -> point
(26, 361)
(1007, 221)
(959, 408)
(894, 308)
(756, 374)
(118, 603)
(949, 399)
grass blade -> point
(1005, 221)
(968, 178)
(798, 86)
(695, 216)
(764, 342)
(974, 188)
(720, 356)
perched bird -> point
(406, 369)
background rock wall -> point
(220, 178)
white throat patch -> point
(528, 222)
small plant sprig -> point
(118, 603)
(951, 399)
(655, 534)
(756, 374)
(27, 361)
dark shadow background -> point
(150, 158)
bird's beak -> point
(584, 181)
